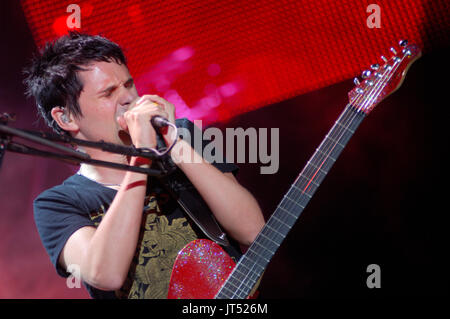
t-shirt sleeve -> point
(197, 140)
(57, 217)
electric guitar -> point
(203, 270)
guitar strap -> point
(190, 201)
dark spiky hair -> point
(52, 76)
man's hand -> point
(136, 120)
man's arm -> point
(232, 205)
(104, 253)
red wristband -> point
(136, 184)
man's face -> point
(108, 90)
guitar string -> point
(299, 185)
(347, 114)
(251, 273)
(255, 277)
(327, 154)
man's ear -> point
(64, 119)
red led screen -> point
(218, 59)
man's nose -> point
(126, 96)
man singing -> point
(121, 228)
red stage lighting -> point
(217, 59)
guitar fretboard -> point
(252, 264)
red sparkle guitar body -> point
(199, 271)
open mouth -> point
(125, 137)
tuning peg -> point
(384, 58)
(406, 51)
(365, 74)
(393, 51)
(356, 81)
(403, 43)
(375, 66)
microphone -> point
(159, 122)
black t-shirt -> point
(165, 230)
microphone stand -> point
(70, 155)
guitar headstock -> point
(383, 80)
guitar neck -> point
(252, 264)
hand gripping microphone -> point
(160, 122)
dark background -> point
(384, 201)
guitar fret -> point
(293, 201)
(242, 264)
(263, 252)
(267, 237)
(289, 213)
(275, 230)
(316, 167)
(345, 127)
(233, 286)
(312, 170)
(259, 255)
(343, 136)
(309, 180)
(267, 243)
(302, 192)
(225, 287)
(244, 285)
(265, 248)
(281, 221)
(235, 280)
(336, 142)
(222, 295)
(243, 279)
(280, 227)
(322, 161)
(326, 155)
(251, 279)
(230, 283)
(241, 287)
